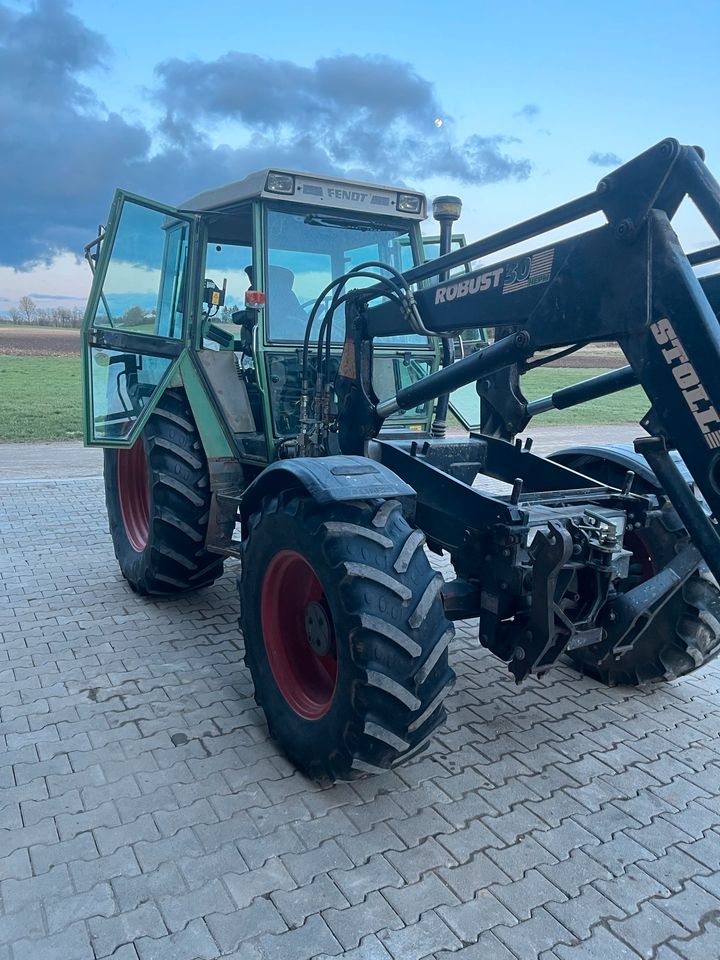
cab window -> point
(306, 251)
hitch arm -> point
(635, 610)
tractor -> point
(271, 367)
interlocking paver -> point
(702, 946)
(417, 940)
(16, 894)
(71, 824)
(28, 922)
(33, 811)
(474, 875)
(72, 942)
(44, 832)
(192, 943)
(303, 943)
(16, 867)
(691, 907)
(97, 902)
(142, 802)
(416, 861)
(580, 914)
(523, 896)
(132, 890)
(572, 874)
(541, 932)
(230, 930)
(646, 929)
(304, 866)
(271, 877)
(108, 934)
(356, 882)
(473, 917)
(299, 904)
(151, 854)
(179, 909)
(412, 900)
(517, 858)
(601, 946)
(87, 873)
(351, 924)
(46, 855)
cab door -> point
(135, 326)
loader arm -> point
(628, 281)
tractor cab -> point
(216, 296)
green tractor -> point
(270, 367)
(193, 376)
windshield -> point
(306, 252)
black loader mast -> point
(628, 281)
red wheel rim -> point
(134, 493)
(292, 593)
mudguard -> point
(621, 455)
(328, 480)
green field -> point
(40, 398)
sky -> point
(537, 101)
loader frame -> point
(629, 282)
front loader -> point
(293, 416)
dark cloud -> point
(369, 115)
(62, 152)
(528, 112)
(604, 159)
(266, 94)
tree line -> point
(28, 313)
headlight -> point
(280, 183)
(409, 203)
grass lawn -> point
(40, 398)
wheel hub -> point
(317, 628)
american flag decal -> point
(713, 439)
(539, 272)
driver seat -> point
(287, 317)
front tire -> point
(345, 634)
(158, 502)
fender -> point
(621, 455)
(327, 480)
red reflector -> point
(254, 298)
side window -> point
(144, 285)
(169, 322)
(138, 326)
(231, 262)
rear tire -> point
(345, 634)
(685, 634)
(158, 503)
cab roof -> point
(315, 189)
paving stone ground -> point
(145, 813)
